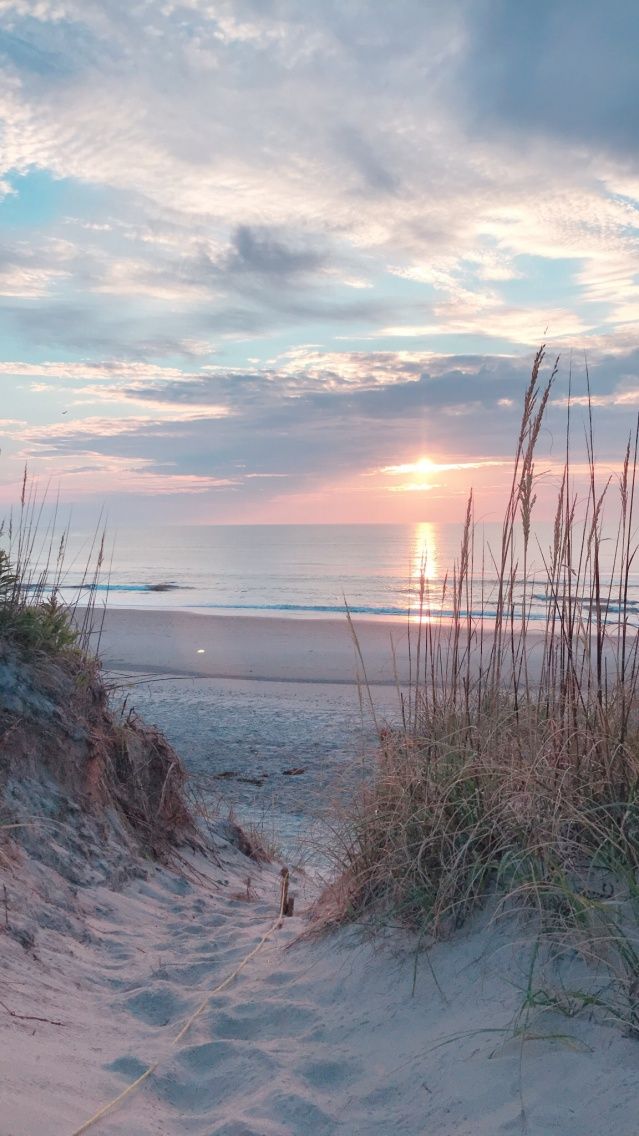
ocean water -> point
(300, 570)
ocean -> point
(301, 570)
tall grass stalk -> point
(516, 771)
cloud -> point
(566, 70)
(85, 474)
(102, 430)
(33, 270)
(301, 431)
(92, 369)
(377, 383)
(257, 251)
(177, 82)
(289, 421)
(211, 206)
(376, 176)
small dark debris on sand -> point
(245, 779)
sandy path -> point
(241, 739)
(265, 696)
(320, 1038)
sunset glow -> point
(287, 264)
(425, 465)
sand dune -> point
(335, 1035)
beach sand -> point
(280, 649)
(337, 1035)
(258, 648)
(266, 696)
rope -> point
(130, 1089)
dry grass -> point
(515, 776)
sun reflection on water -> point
(425, 565)
(425, 550)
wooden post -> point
(287, 901)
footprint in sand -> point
(204, 1078)
(278, 978)
(272, 1021)
(327, 1074)
(156, 1006)
(296, 1113)
(190, 974)
(239, 1128)
(128, 1066)
(190, 930)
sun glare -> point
(424, 468)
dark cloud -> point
(51, 324)
(558, 67)
(283, 423)
(408, 390)
(113, 327)
(258, 251)
(469, 411)
(321, 388)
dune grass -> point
(514, 779)
(33, 555)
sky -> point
(280, 261)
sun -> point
(426, 468)
(420, 471)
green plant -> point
(32, 573)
